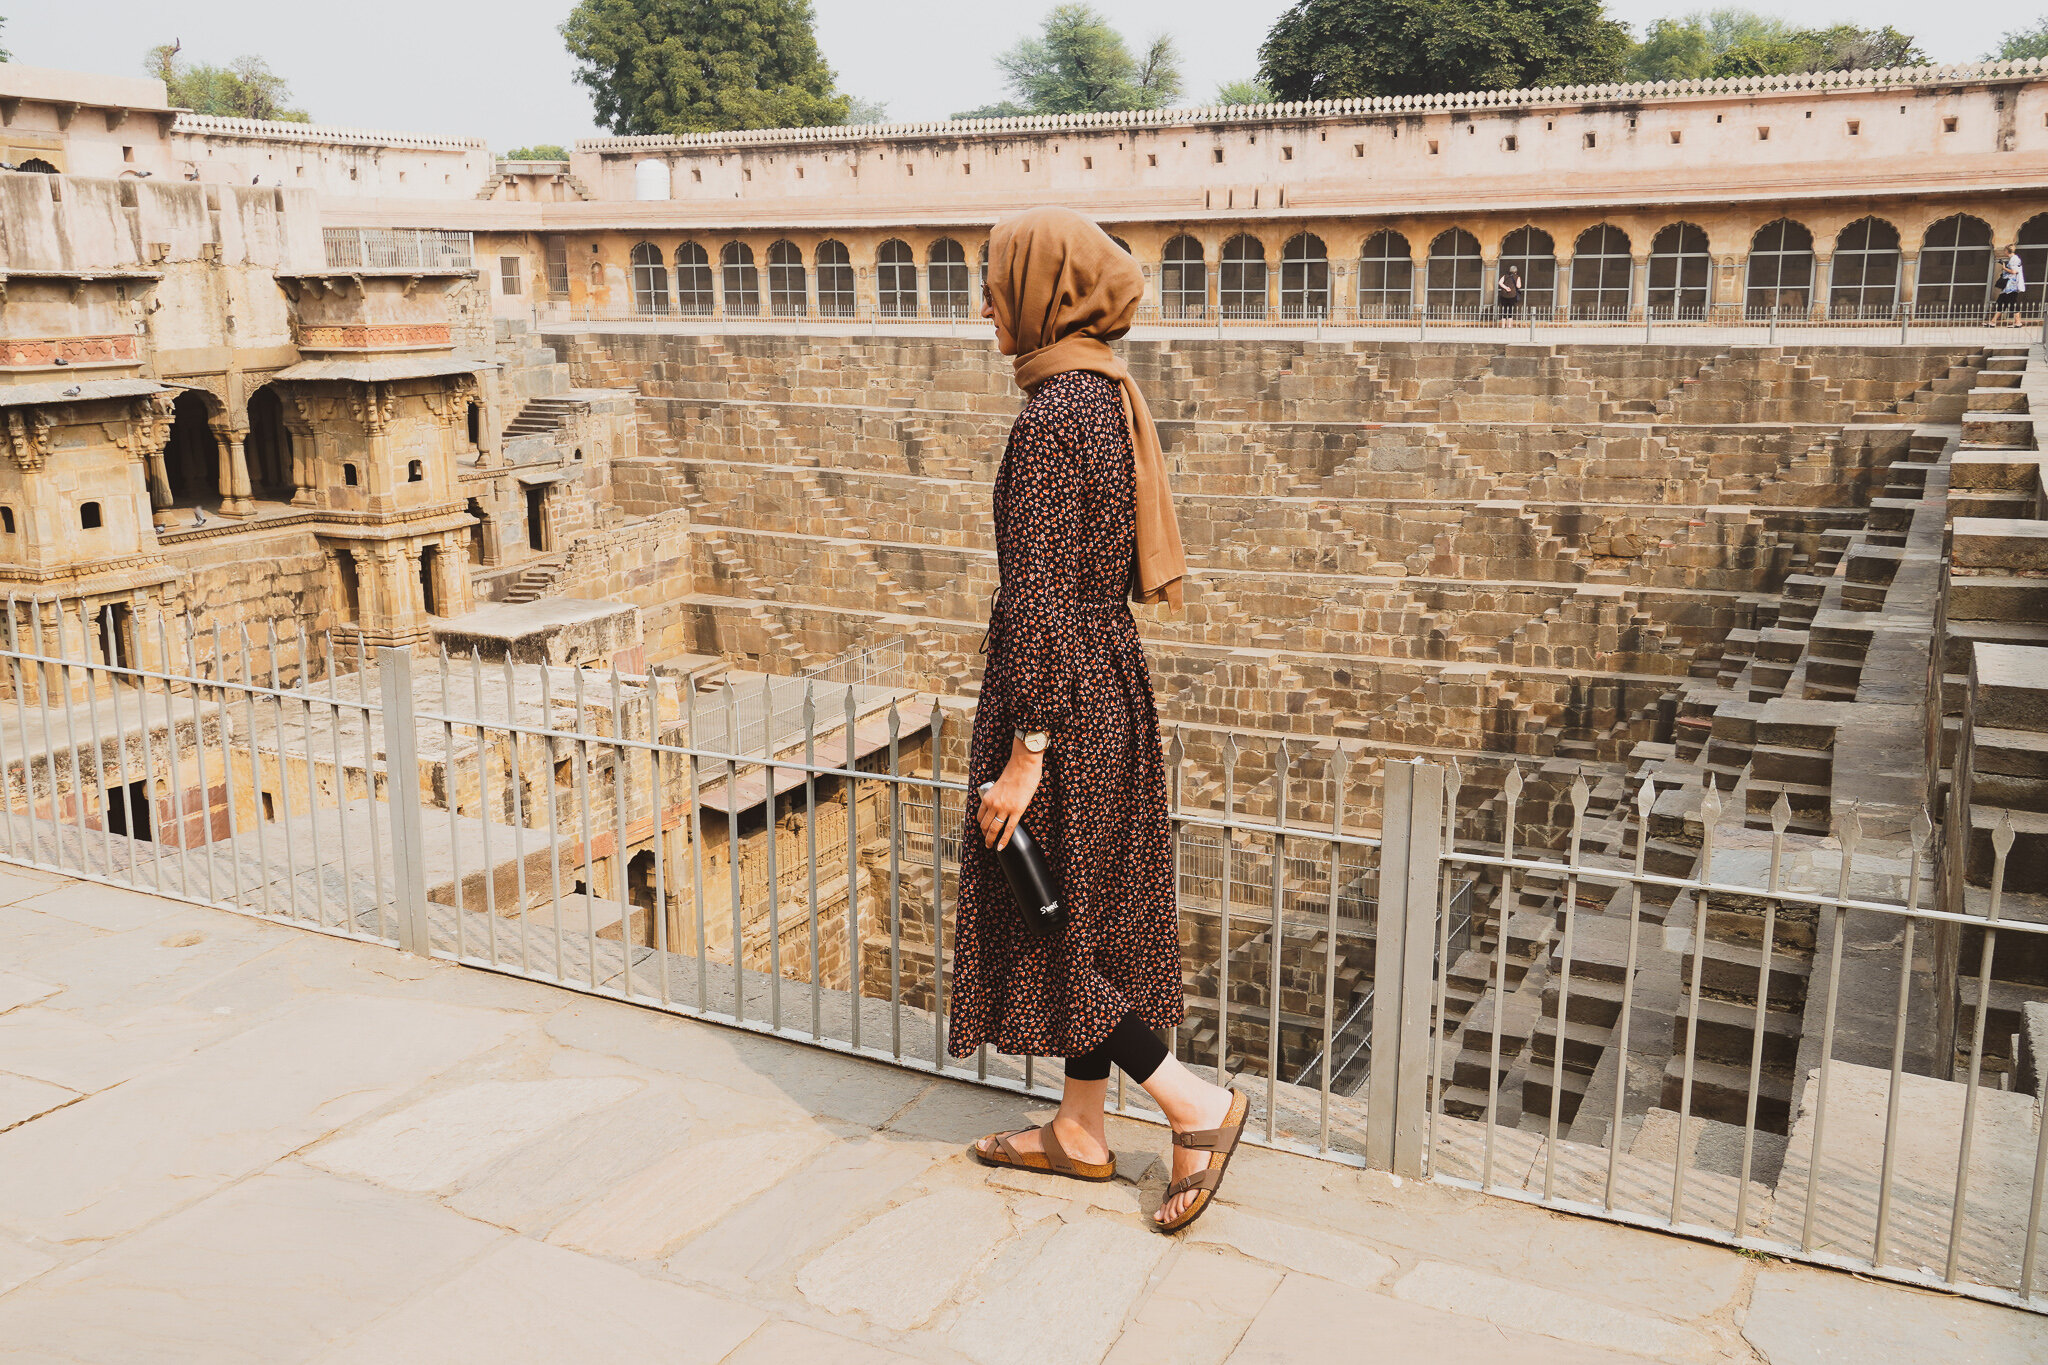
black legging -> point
(1130, 1045)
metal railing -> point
(397, 249)
(1859, 324)
(673, 844)
(1802, 1112)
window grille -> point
(1602, 274)
(1304, 277)
(787, 292)
(1455, 272)
(896, 280)
(1681, 271)
(1531, 251)
(1955, 268)
(694, 294)
(946, 283)
(558, 265)
(1780, 278)
(836, 297)
(742, 281)
(1183, 279)
(1386, 276)
(650, 279)
(1241, 278)
(509, 270)
(1864, 280)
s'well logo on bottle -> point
(1031, 881)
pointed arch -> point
(1603, 274)
(896, 279)
(1681, 272)
(1455, 272)
(1780, 275)
(1531, 250)
(788, 289)
(694, 294)
(1241, 278)
(1386, 276)
(1863, 278)
(742, 282)
(1955, 267)
(1304, 277)
(946, 279)
(1183, 279)
(836, 295)
(650, 279)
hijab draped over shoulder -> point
(1063, 290)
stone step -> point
(1721, 1092)
(1727, 1030)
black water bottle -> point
(1031, 881)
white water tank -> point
(650, 180)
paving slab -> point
(1313, 1251)
(53, 1046)
(1197, 1311)
(22, 1099)
(82, 1173)
(532, 1189)
(899, 1269)
(527, 1301)
(1514, 1303)
(20, 1262)
(646, 1217)
(272, 1269)
(1312, 1319)
(434, 1143)
(782, 1342)
(1801, 1316)
(101, 907)
(16, 991)
(762, 1242)
(1075, 1294)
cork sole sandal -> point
(1052, 1161)
(1220, 1143)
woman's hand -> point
(1002, 806)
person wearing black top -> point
(1508, 291)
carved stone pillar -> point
(298, 421)
(149, 431)
(235, 500)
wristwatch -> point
(1035, 741)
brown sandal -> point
(1052, 1161)
(1220, 1143)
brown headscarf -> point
(1062, 289)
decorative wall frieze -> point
(372, 336)
(28, 437)
(117, 348)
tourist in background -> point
(1508, 290)
(2009, 290)
(1067, 730)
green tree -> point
(1079, 64)
(692, 66)
(539, 151)
(1736, 42)
(1250, 90)
(1000, 109)
(1336, 49)
(859, 110)
(2022, 43)
(244, 88)
(5, 55)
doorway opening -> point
(192, 455)
(430, 560)
(537, 517)
(128, 809)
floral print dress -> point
(1064, 657)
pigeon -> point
(72, 392)
(199, 516)
(62, 361)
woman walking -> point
(1067, 730)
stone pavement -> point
(226, 1140)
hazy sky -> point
(498, 70)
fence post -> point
(402, 790)
(1411, 847)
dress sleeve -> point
(1039, 554)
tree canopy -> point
(244, 88)
(2022, 43)
(692, 66)
(1250, 90)
(1337, 49)
(539, 151)
(1079, 63)
(1736, 42)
